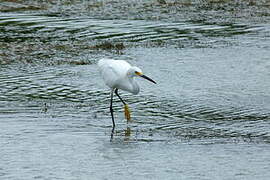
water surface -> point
(207, 117)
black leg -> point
(111, 109)
(116, 92)
(127, 112)
(112, 133)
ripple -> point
(80, 106)
(17, 27)
(203, 115)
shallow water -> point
(207, 117)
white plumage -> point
(119, 74)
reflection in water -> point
(127, 134)
(68, 92)
(210, 108)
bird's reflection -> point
(127, 133)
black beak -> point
(148, 78)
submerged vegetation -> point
(207, 117)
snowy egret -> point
(119, 74)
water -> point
(207, 117)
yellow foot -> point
(127, 112)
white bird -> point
(119, 74)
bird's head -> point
(137, 72)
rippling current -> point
(207, 117)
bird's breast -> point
(129, 85)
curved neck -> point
(135, 89)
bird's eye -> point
(138, 73)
